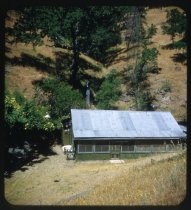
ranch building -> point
(105, 134)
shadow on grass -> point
(61, 66)
(63, 63)
(23, 165)
(180, 57)
(168, 47)
(23, 169)
(40, 62)
(7, 49)
(33, 162)
(125, 74)
(40, 142)
(86, 65)
(113, 53)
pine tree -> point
(175, 23)
(175, 26)
(145, 58)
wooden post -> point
(171, 141)
(88, 95)
(135, 148)
(62, 135)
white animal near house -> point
(67, 148)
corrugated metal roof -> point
(124, 124)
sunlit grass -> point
(162, 183)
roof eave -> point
(127, 138)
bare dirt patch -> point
(53, 180)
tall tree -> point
(175, 26)
(145, 58)
(134, 27)
(91, 30)
(175, 23)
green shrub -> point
(61, 97)
(109, 91)
(143, 100)
(21, 111)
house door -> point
(115, 151)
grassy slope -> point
(160, 187)
(27, 65)
(175, 72)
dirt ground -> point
(53, 180)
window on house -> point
(127, 148)
(159, 148)
(101, 148)
(85, 148)
(143, 148)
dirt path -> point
(54, 180)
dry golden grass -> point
(21, 78)
(162, 183)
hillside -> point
(25, 65)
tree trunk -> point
(75, 60)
